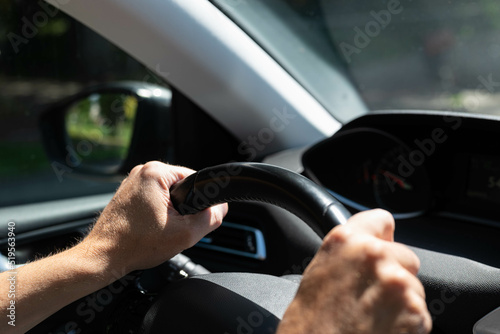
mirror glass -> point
(100, 128)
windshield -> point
(431, 55)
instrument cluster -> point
(413, 164)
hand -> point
(360, 281)
(140, 229)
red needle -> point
(399, 181)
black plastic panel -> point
(448, 163)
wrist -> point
(100, 259)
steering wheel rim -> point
(242, 292)
(238, 302)
(249, 181)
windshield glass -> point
(432, 55)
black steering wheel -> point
(239, 302)
(240, 182)
(234, 303)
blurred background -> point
(431, 54)
(46, 56)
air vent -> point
(236, 239)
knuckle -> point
(339, 235)
(217, 215)
(415, 262)
(373, 249)
(152, 170)
(394, 278)
(415, 304)
(136, 170)
(363, 249)
(418, 316)
(406, 255)
(386, 218)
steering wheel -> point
(234, 303)
(239, 302)
(240, 182)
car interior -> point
(299, 114)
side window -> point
(45, 56)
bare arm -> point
(139, 229)
(360, 282)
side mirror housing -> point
(106, 130)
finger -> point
(378, 222)
(204, 222)
(175, 174)
(405, 257)
(222, 209)
(420, 306)
(156, 171)
(416, 304)
(217, 214)
(395, 279)
(414, 316)
(397, 306)
(212, 216)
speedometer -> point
(368, 168)
(401, 185)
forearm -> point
(139, 229)
(39, 289)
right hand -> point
(360, 282)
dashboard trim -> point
(260, 245)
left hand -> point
(140, 228)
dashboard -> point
(414, 164)
(437, 172)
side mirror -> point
(106, 130)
